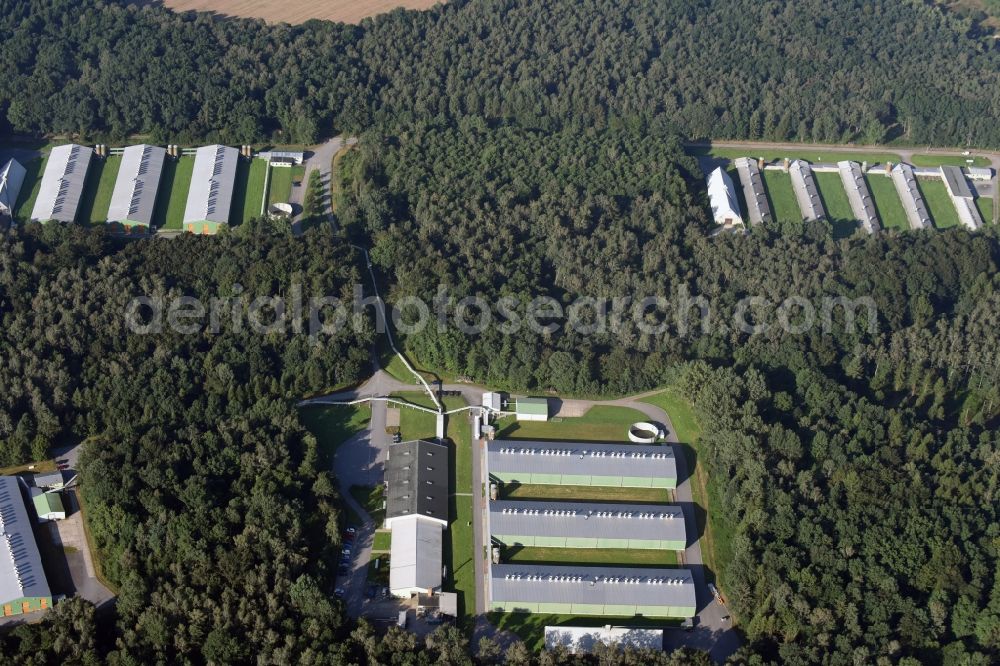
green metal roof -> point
(46, 503)
(533, 406)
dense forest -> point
(810, 70)
(515, 149)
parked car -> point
(397, 438)
(339, 593)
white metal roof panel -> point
(62, 183)
(586, 520)
(616, 586)
(416, 554)
(582, 458)
(212, 183)
(21, 573)
(134, 196)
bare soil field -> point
(298, 11)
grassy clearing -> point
(175, 182)
(279, 190)
(887, 203)
(332, 425)
(584, 493)
(382, 541)
(599, 424)
(707, 492)
(414, 423)
(782, 196)
(938, 202)
(372, 499)
(35, 468)
(985, 207)
(817, 154)
(927, 160)
(29, 188)
(591, 556)
(836, 203)
(100, 186)
(248, 192)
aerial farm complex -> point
(142, 189)
(812, 199)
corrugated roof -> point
(21, 573)
(583, 520)
(862, 204)
(415, 555)
(138, 180)
(416, 473)
(909, 194)
(533, 406)
(806, 192)
(754, 192)
(211, 195)
(619, 586)
(11, 178)
(582, 640)
(582, 458)
(62, 183)
(49, 479)
(955, 181)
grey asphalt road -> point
(320, 159)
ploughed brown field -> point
(299, 11)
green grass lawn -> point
(924, 160)
(716, 534)
(985, 207)
(100, 186)
(599, 424)
(782, 196)
(371, 498)
(591, 556)
(836, 203)
(175, 182)
(33, 171)
(887, 202)
(332, 425)
(382, 541)
(938, 202)
(248, 191)
(584, 493)
(279, 190)
(414, 423)
(818, 154)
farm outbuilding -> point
(11, 179)
(210, 197)
(806, 191)
(962, 197)
(583, 525)
(758, 207)
(584, 640)
(62, 184)
(282, 157)
(909, 194)
(48, 505)
(722, 199)
(134, 195)
(416, 476)
(23, 588)
(582, 464)
(604, 591)
(862, 204)
(532, 409)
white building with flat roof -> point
(62, 184)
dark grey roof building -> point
(586, 525)
(604, 591)
(416, 476)
(582, 464)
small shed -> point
(50, 480)
(532, 409)
(493, 401)
(48, 506)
